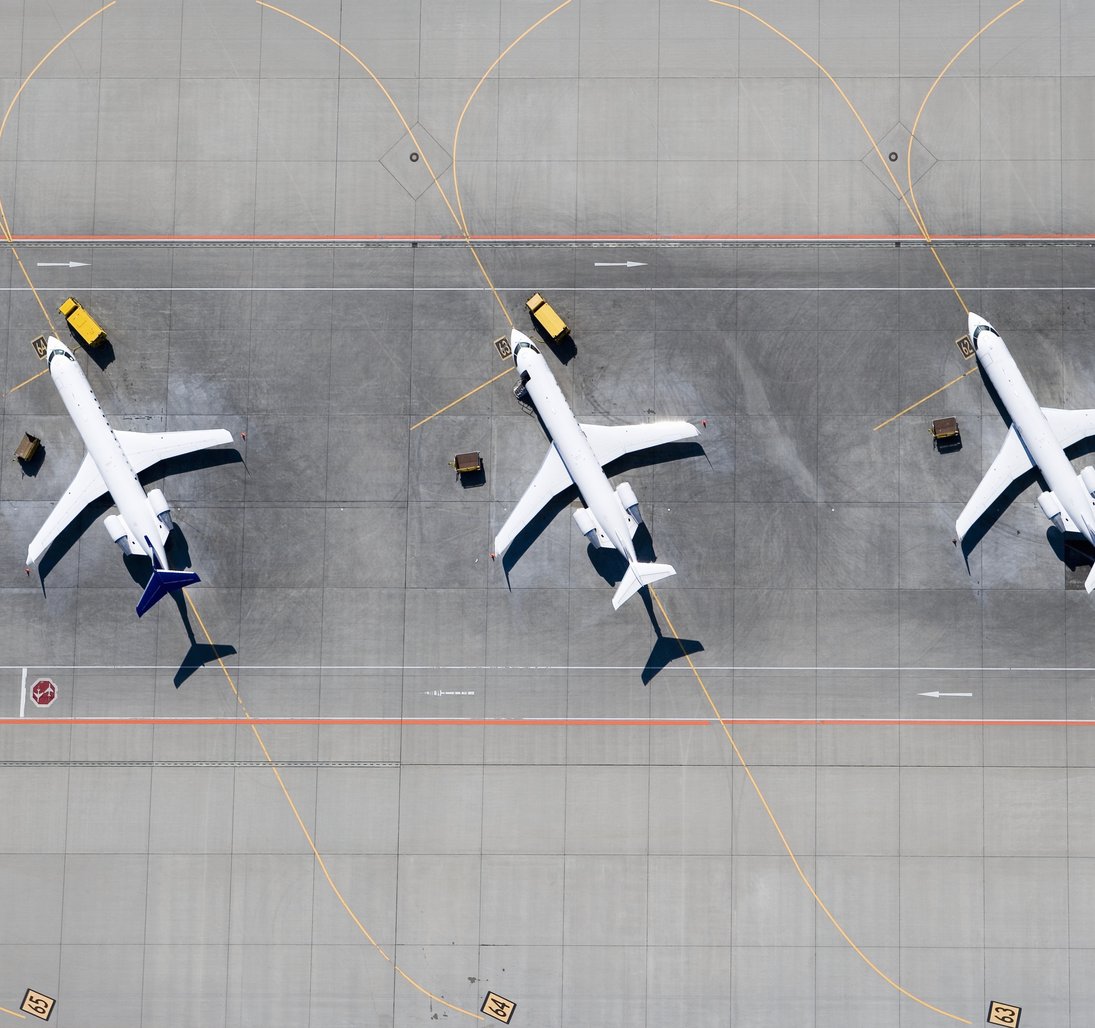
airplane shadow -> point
(97, 508)
(629, 462)
(666, 648)
(981, 527)
(199, 654)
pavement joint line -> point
(724, 725)
(434, 178)
(5, 227)
(914, 213)
(918, 216)
(320, 862)
(820, 668)
(573, 289)
(542, 722)
(924, 399)
(579, 240)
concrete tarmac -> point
(488, 781)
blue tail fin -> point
(160, 584)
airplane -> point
(111, 465)
(1037, 438)
(577, 456)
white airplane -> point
(1038, 437)
(111, 465)
(577, 456)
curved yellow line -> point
(783, 838)
(467, 103)
(403, 121)
(4, 226)
(918, 217)
(322, 864)
(874, 145)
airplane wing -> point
(88, 485)
(1070, 426)
(550, 480)
(612, 441)
(147, 448)
(1011, 462)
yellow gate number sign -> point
(498, 1007)
(37, 1005)
(1004, 1014)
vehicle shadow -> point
(102, 353)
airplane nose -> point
(517, 336)
(975, 322)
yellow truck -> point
(82, 323)
(547, 320)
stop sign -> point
(43, 692)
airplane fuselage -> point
(106, 452)
(573, 447)
(1034, 431)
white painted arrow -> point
(619, 264)
(62, 264)
(937, 694)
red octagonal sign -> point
(43, 692)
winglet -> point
(636, 576)
(1090, 583)
(160, 584)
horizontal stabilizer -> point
(638, 575)
(160, 584)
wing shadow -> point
(628, 462)
(981, 527)
(98, 507)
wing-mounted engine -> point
(587, 525)
(162, 510)
(119, 531)
(630, 503)
(1087, 477)
(1053, 510)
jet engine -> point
(587, 526)
(1087, 476)
(629, 501)
(1051, 507)
(119, 531)
(161, 508)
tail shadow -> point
(199, 654)
(666, 648)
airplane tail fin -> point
(1090, 583)
(638, 575)
(160, 584)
